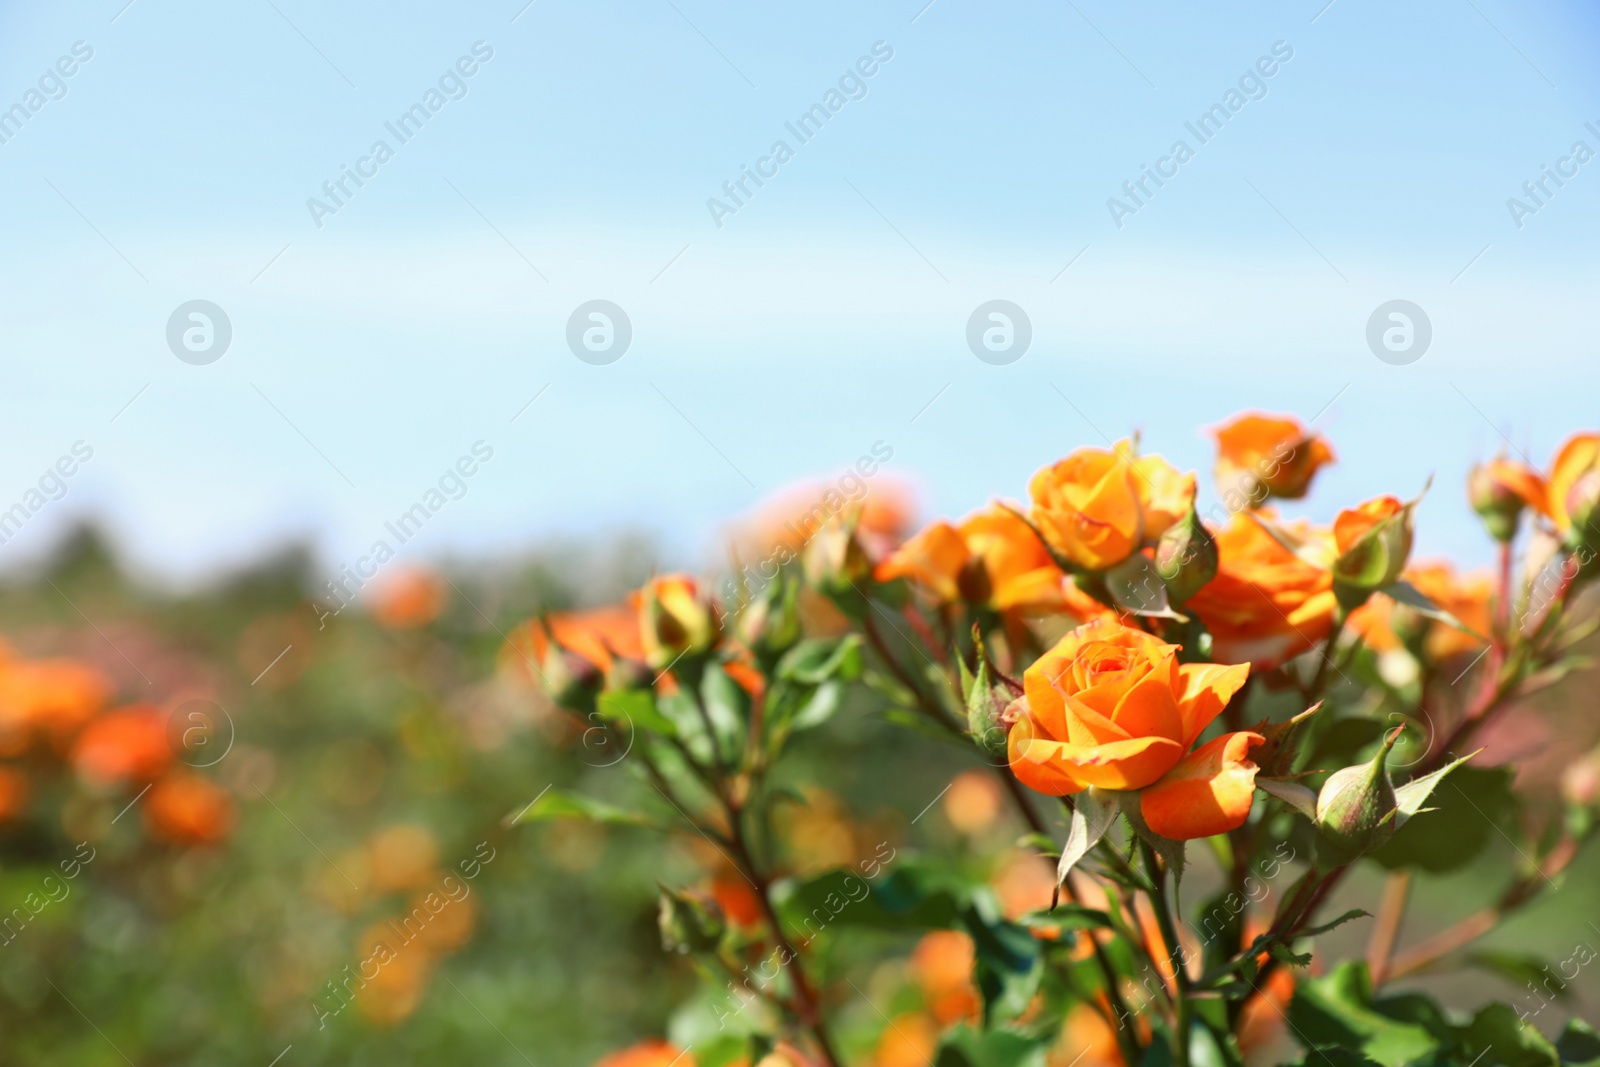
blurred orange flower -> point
(402, 857)
(647, 1053)
(408, 599)
(13, 793)
(675, 619)
(186, 809)
(1274, 453)
(942, 966)
(1098, 507)
(973, 801)
(992, 559)
(908, 1040)
(1266, 605)
(1467, 597)
(128, 745)
(52, 696)
(598, 635)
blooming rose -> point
(1111, 707)
(676, 620)
(1277, 455)
(991, 560)
(1098, 507)
(1266, 605)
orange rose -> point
(991, 560)
(1467, 597)
(186, 809)
(1097, 508)
(1266, 605)
(1111, 707)
(1267, 455)
(1580, 456)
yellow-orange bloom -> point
(1097, 507)
(675, 620)
(992, 559)
(1266, 605)
(186, 809)
(1110, 706)
(1575, 459)
(1208, 792)
(1352, 524)
(1506, 485)
(1269, 453)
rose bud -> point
(835, 561)
(1356, 809)
(769, 625)
(1186, 558)
(989, 713)
(690, 921)
(1583, 510)
(1499, 490)
(625, 674)
(1373, 542)
(676, 621)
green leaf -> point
(1510, 1041)
(1299, 797)
(819, 707)
(1338, 1010)
(556, 804)
(1467, 812)
(912, 897)
(1136, 587)
(636, 707)
(1091, 818)
(1403, 592)
(1579, 1045)
(965, 1047)
(1411, 796)
(1007, 966)
(818, 659)
(1353, 913)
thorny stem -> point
(1183, 1007)
(1386, 929)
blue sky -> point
(372, 351)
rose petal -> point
(1208, 792)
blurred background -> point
(230, 369)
